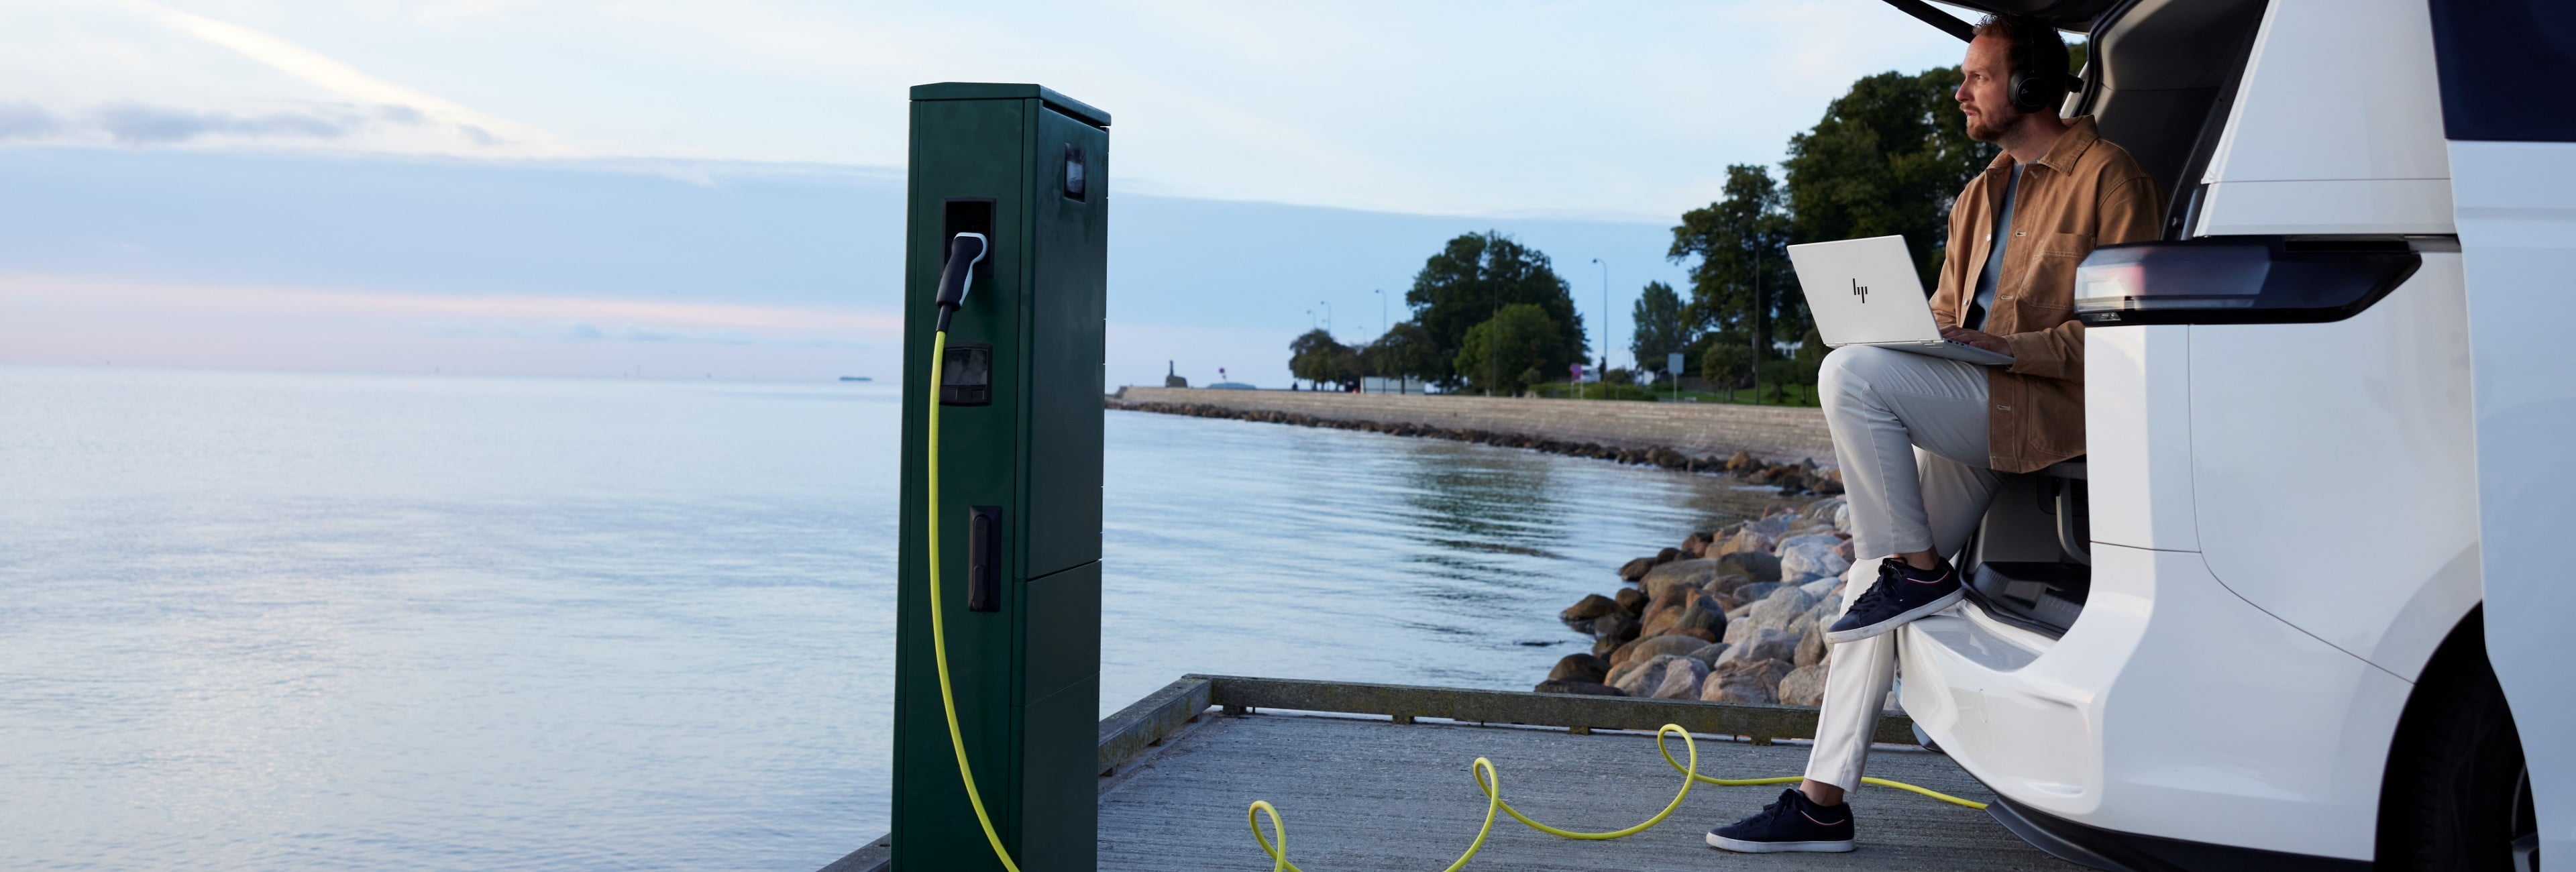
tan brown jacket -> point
(2084, 192)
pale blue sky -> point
(529, 186)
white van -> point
(2307, 598)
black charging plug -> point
(965, 250)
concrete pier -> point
(1371, 776)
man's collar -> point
(2070, 146)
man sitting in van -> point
(1923, 439)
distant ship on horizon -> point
(856, 378)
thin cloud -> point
(26, 121)
(350, 82)
(137, 124)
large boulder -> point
(1652, 647)
(1774, 525)
(1702, 613)
(1763, 643)
(1757, 682)
(1804, 685)
(1614, 626)
(1687, 574)
(1592, 605)
(1667, 555)
(1723, 585)
(1586, 688)
(1802, 623)
(1641, 675)
(1619, 655)
(1781, 608)
(1708, 653)
(1579, 667)
(1822, 587)
(1696, 544)
(1743, 540)
(1603, 647)
(1681, 680)
(1811, 645)
(1696, 633)
(1660, 618)
(1743, 460)
(1828, 608)
(1809, 557)
(1754, 592)
(1635, 569)
(1631, 600)
(1822, 511)
(1756, 565)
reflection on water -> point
(1258, 549)
(260, 620)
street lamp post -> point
(1328, 314)
(1605, 326)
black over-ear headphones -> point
(2039, 80)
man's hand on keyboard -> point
(1987, 341)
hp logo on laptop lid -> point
(1861, 291)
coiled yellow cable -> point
(1487, 778)
(1490, 781)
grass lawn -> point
(1772, 395)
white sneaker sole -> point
(1744, 847)
(1856, 634)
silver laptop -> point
(1864, 292)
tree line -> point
(1490, 314)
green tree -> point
(1473, 279)
(1660, 329)
(1520, 346)
(1742, 283)
(1725, 364)
(1317, 358)
(1887, 159)
(1406, 351)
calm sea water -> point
(259, 620)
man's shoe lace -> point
(1887, 578)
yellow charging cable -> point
(938, 626)
(1487, 778)
(1490, 781)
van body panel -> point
(2326, 206)
(2517, 216)
(2333, 468)
(2336, 89)
(2174, 708)
(2137, 432)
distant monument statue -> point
(1172, 376)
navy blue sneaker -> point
(1901, 594)
(1795, 823)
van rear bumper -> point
(2171, 710)
(2104, 849)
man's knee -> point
(1845, 371)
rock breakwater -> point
(1729, 615)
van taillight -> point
(2239, 280)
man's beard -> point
(1984, 127)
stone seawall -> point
(1771, 433)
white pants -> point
(1910, 432)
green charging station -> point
(1019, 452)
